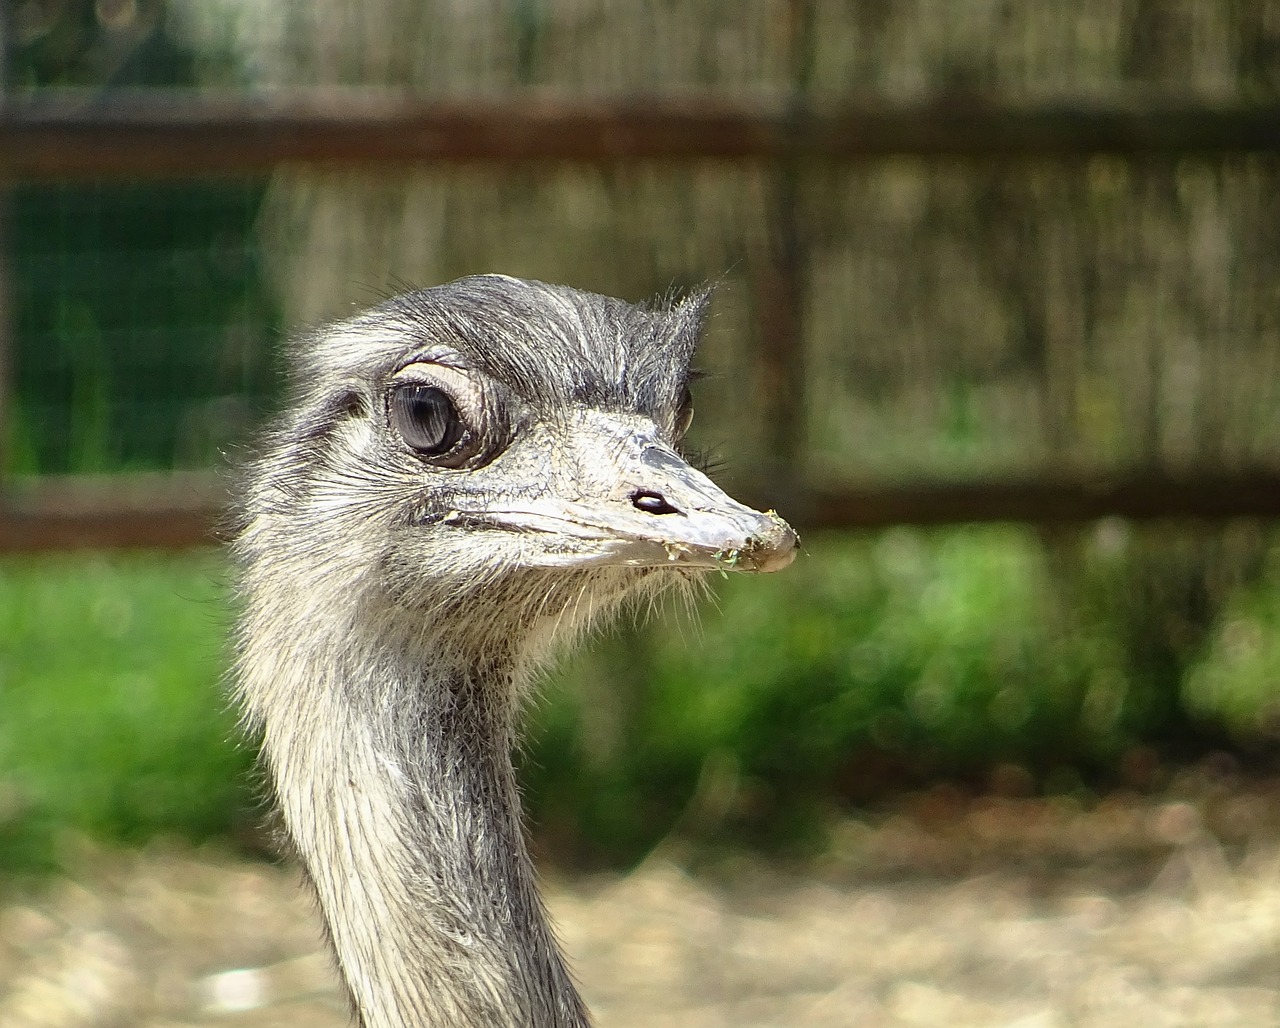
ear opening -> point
(319, 421)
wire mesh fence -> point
(142, 329)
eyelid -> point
(449, 377)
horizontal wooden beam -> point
(1044, 501)
(188, 510)
(112, 512)
(58, 134)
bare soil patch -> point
(948, 910)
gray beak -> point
(677, 515)
(657, 511)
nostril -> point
(652, 503)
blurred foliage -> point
(877, 663)
(112, 718)
(94, 43)
(1237, 678)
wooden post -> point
(779, 280)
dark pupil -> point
(426, 418)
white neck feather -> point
(395, 781)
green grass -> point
(112, 720)
(874, 664)
(882, 662)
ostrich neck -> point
(401, 800)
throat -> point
(404, 809)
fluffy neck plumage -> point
(392, 767)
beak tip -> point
(773, 548)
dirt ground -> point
(946, 910)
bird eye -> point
(684, 413)
(426, 418)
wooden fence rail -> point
(189, 509)
(55, 134)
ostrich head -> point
(493, 457)
(465, 475)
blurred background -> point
(996, 323)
